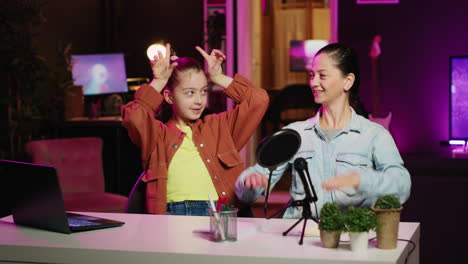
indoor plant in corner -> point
(331, 224)
(358, 222)
(387, 209)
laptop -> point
(35, 199)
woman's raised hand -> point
(161, 65)
(214, 60)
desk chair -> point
(294, 102)
(79, 168)
(136, 203)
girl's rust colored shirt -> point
(218, 137)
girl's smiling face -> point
(189, 97)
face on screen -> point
(100, 73)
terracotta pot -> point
(330, 239)
(388, 221)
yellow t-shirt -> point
(188, 178)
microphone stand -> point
(306, 214)
(280, 211)
(310, 197)
(265, 206)
(305, 203)
(265, 209)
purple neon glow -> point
(100, 73)
(373, 2)
(459, 150)
(302, 52)
(459, 98)
(456, 142)
(27, 163)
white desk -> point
(171, 239)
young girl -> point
(351, 160)
(188, 158)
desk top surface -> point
(184, 239)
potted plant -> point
(387, 209)
(331, 224)
(358, 222)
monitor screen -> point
(302, 52)
(459, 97)
(100, 73)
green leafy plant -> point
(359, 219)
(331, 218)
(387, 202)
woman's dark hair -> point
(164, 112)
(347, 62)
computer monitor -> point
(302, 52)
(459, 97)
(100, 73)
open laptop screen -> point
(36, 199)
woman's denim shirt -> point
(363, 146)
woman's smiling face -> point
(326, 81)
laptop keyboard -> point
(79, 222)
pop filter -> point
(276, 150)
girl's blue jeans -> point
(198, 208)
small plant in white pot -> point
(358, 222)
(387, 209)
(331, 224)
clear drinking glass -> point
(223, 225)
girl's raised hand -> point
(161, 65)
(214, 60)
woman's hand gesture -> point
(255, 180)
(214, 60)
(350, 180)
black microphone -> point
(300, 164)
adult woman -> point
(189, 157)
(351, 160)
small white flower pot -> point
(359, 241)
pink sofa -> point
(79, 167)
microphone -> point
(300, 164)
